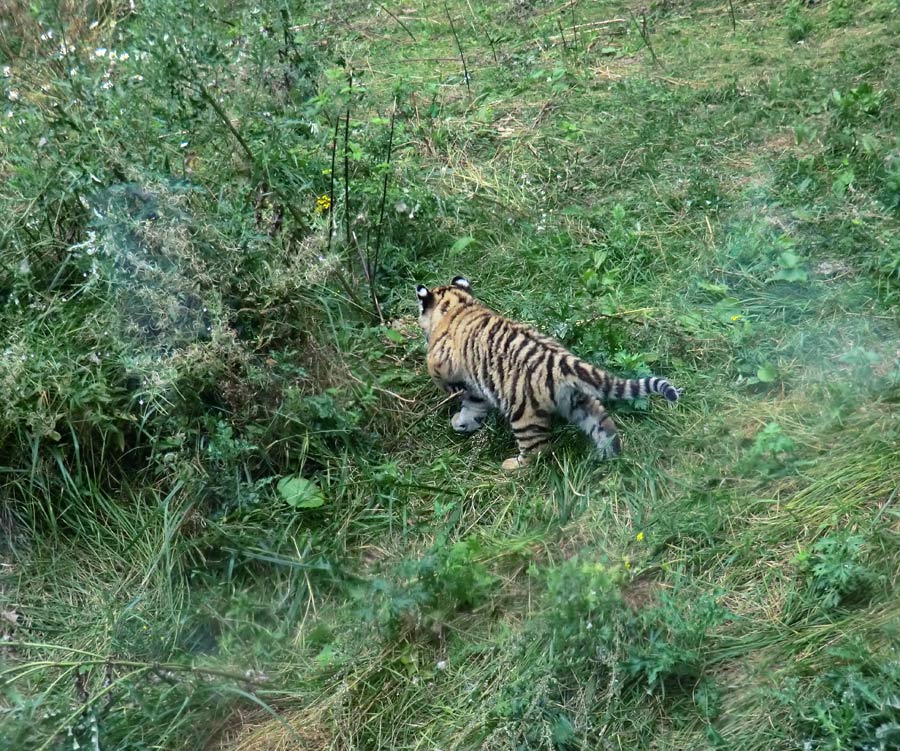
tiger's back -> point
(494, 362)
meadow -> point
(234, 515)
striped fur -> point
(493, 362)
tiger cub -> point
(491, 361)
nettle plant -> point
(592, 625)
(421, 594)
(836, 570)
(771, 453)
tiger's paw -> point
(609, 447)
(514, 463)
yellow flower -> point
(323, 203)
(626, 562)
(640, 537)
(736, 318)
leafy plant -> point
(771, 451)
(790, 268)
(853, 703)
(798, 22)
(836, 570)
(676, 633)
(427, 591)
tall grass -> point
(234, 514)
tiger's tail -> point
(607, 386)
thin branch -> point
(645, 35)
(574, 28)
(331, 204)
(347, 156)
(559, 26)
(405, 27)
(245, 147)
(733, 19)
(384, 187)
(459, 47)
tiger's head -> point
(435, 303)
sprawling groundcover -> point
(234, 515)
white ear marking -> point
(461, 281)
(422, 291)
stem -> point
(731, 11)
(493, 49)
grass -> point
(234, 514)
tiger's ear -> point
(462, 283)
(424, 296)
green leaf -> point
(767, 373)
(790, 275)
(462, 244)
(394, 335)
(843, 181)
(716, 289)
(789, 259)
(299, 492)
(326, 656)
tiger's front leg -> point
(472, 415)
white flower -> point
(12, 96)
(441, 665)
(94, 24)
(7, 71)
(124, 56)
(100, 52)
(112, 54)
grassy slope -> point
(721, 219)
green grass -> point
(182, 333)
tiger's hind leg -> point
(472, 414)
(588, 413)
(532, 433)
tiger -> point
(490, 361)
